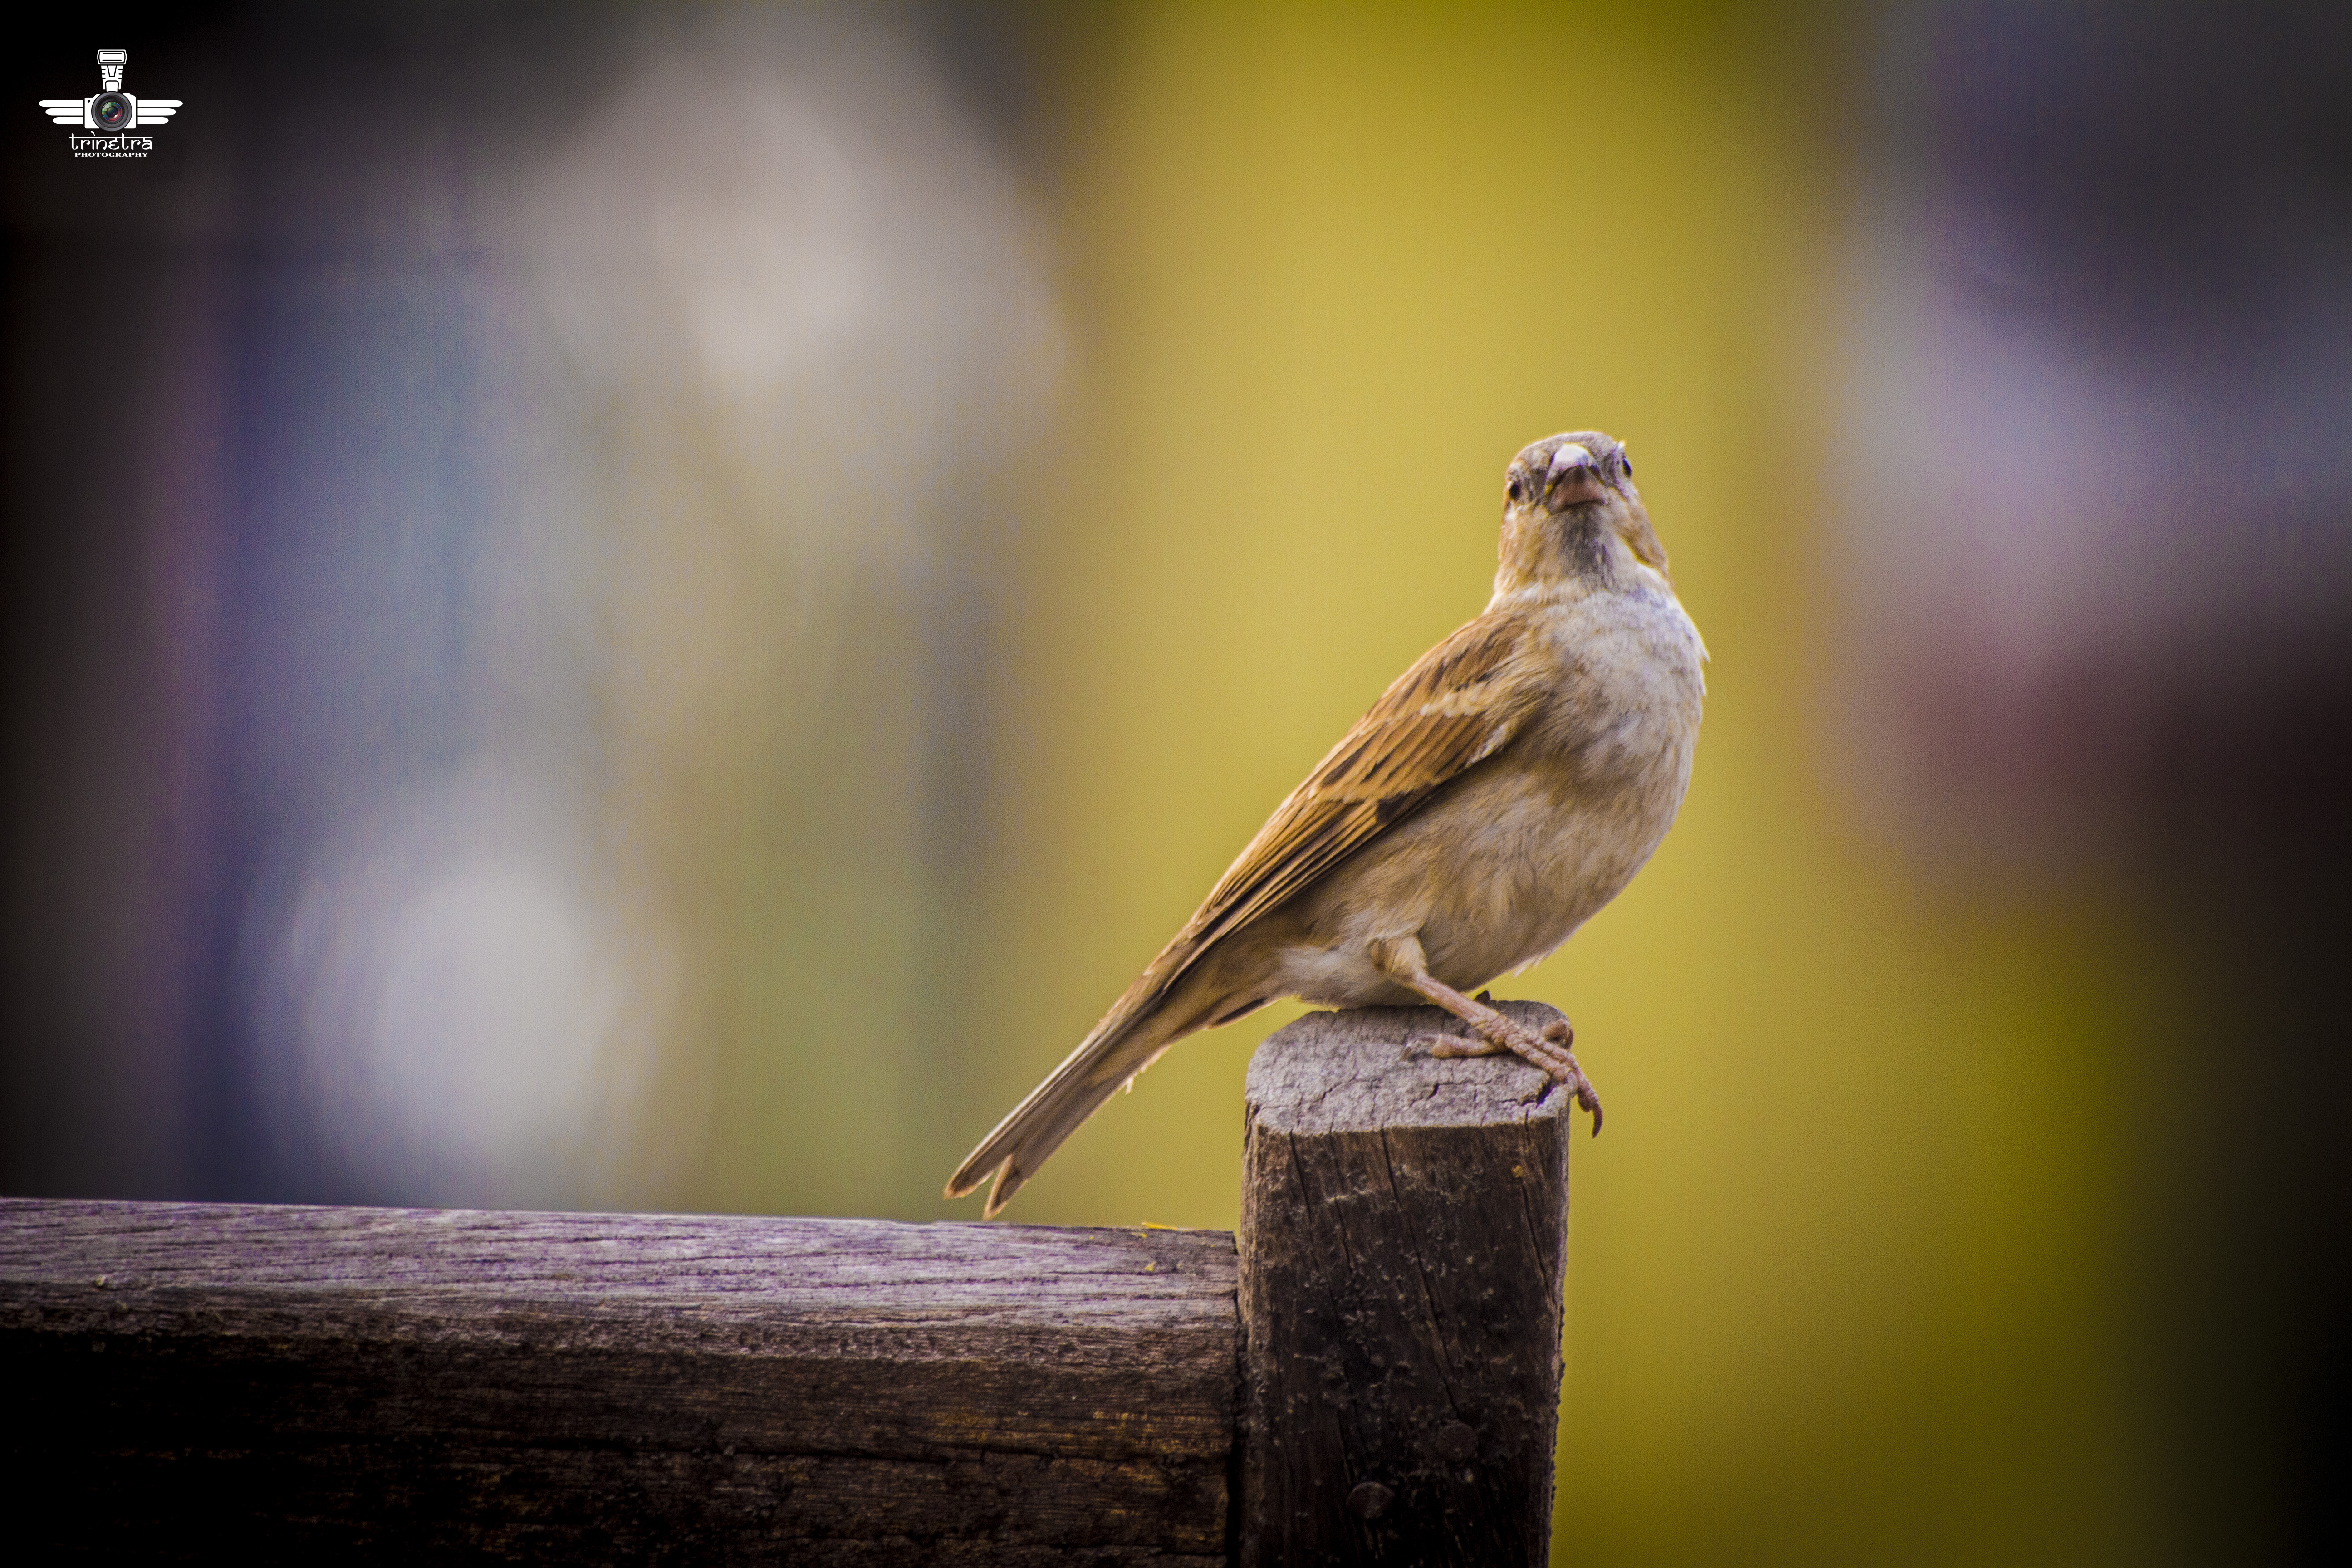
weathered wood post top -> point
(1402, 1254)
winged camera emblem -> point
(110, 110)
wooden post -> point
(1402, 1254)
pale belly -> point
(1496, 877)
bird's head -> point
(1570, 513)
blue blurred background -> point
(656, 606)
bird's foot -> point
(1557, 1035)
(1449, 1047)
(1548, 1050)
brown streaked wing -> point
(1450, 710)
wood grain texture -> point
(1404, 1243)
(602, 1388)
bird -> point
(1499, 794)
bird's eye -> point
(1519, 488)
(1625, 461)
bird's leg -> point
(1403, 960)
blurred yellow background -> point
(1836, 1272)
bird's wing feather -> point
(1454, 708)
(1450, 711)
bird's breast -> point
(1556, 825)
(1500, 866)
(1627, 687)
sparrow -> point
(1502, 791)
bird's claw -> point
(1556, 1058)
(1548, 1049)
(1453, 1047)
(1560, 1062)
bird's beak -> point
(1574, 478)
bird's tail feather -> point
(1126, 1042)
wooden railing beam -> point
(587, 1387)
(1377, 1368)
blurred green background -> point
(676, 650)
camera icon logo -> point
(110, 111)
